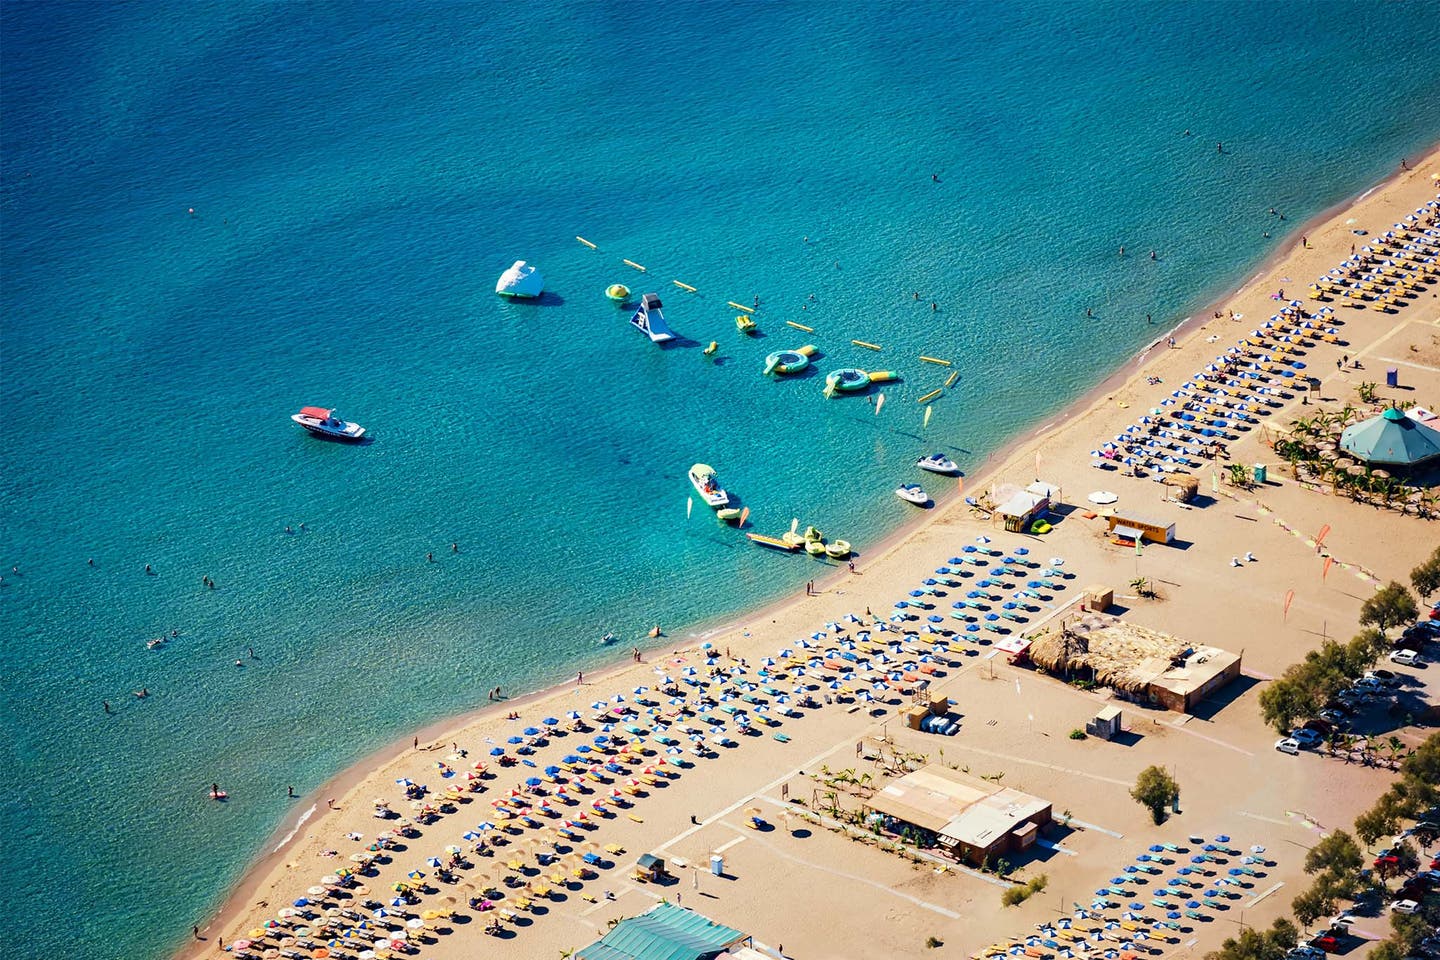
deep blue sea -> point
(360, 174)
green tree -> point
(1155, 790)
(1391, 606)
(1337, 853)
(1312, 905)
(1379, 821)
(1388, 950)
(1426, 577)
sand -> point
(821, 894)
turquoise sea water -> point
(361, 173)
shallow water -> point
(359, 177)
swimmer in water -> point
(142, 693)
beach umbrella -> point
(1192, 904)
(433, 862)
(516, 740)
(1197, 859)
(1185, 871)
(1222, 839)
(405, 782)
(550, 721)
(532, 731)
(302, 902)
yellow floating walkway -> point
(587, 243)
(867, 346)
(797, 326)
(943, 363)
(632, 263)
(930, 396)
(739, 306)
(684, 286)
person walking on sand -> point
(579, 677)
(415, 743)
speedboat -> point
(788, 361)
(745, 323)
(702, 478)
(618, 292)
(521, 281)
(912, 493)
(324, 423)
(938, 463)
(650, 321)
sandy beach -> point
(805, 884)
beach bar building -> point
(1141, 665)
(1026, 506)
(666, 932)
(972, 819)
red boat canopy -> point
(319, 413)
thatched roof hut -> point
(1121, 655)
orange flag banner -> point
(1289, 596)
(1325, 568)
(1324, 532)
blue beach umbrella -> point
(972, 628)
(532, 731)
(1192, 904)
(1197, 859)
(1174, 882)
(516, 740)
(497, 751)
(1156, 848)
(1222, 839)
(302, 902)
(1023, 551)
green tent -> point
(1391, 439)
(666, 932)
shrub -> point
(1077, 734)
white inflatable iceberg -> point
(521, 280)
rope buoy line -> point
(632, 263)
(930, 396)
(867, 346)
(739, 306)
(950, 380)
(684, 286)
(798, 326)
(943, 363)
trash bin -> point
(1392, 377)
(717, 865)
(1260, 473)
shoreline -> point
(308, 815)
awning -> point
(1130, 533)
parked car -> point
(1384, 677)
(1406, 658)
(1384, 857)
(1335, 718)
(1341, 924)
(1308, 739)
(1338, 706)
(1321, 727)
(1305, 952)
(1326, 942)
(1369, 687)
(1404, 906)
(1287, 745)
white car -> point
(1406, 658)
(1288, 745)
(1404, 906)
